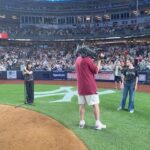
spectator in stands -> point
(61, 56)
(2, 67)
(117, 74)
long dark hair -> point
(131, 60)
(27, 65)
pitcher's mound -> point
(21, 129)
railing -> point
(120, 34)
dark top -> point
(130, 74)
(28, 77)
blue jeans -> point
(129, 87)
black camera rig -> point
(86, 51)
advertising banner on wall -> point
(59, 75)
(106, 76)
(142, 77)
(11, 74)
(4, 36)
(71, 76)
(148, 78)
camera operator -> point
(86, 84)
(29, 83)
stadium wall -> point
(144, 77)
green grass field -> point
(124, 131)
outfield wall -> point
(144, 77)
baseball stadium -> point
(74, 74)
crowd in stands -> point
(37, 33)
(61, 56)
(50, 58)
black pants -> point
(29, 91)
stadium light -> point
(106, 16)
(79, 18)
(14, 17)
(136, 12)
(147, 11)
(98, 18)
(88, 18)
(2, 16)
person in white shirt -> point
(117, 74)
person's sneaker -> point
(131, 111)
(119, 108)
(82, 124)
(100, 126)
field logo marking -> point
(66, 92)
